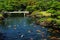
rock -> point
(37, 22)
(22, 36)
(31, 38)
(9, 26)
(53, 38)
(1, 18)
(42, 23)
(24, 25)
(38, 30)
(31, 24)
(49, 30)
(42, 32)
(49, 36)
(14, 25)
(34, 26)
(43, 27)
(57, 31)
(29, 31)
(16, 37)
(14, 28)
(42, 36)
(38, 33)
(53, 32)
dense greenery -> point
(30, 5)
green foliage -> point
(30, 5)
(55, 5)
(30, 8)
(58, 17)
(51, 11)
(58, 13)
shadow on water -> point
(4, 24)
(2, 36)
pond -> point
(18, 28)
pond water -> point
(18, 28)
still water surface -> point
(18, 28)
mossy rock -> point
(58, 21)
(42, 19)
(41, 13)
(49, 19)
(1, 15)
(59, 26)
(35, 12)
(44, 13)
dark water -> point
(17, 28)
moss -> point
(46, 19)
(59, 26)
(42, 19)
(1, 15)
(58, 22)
(58, 17)
(49, 19)
(35, 12)
(44, 13)
(41, 13)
